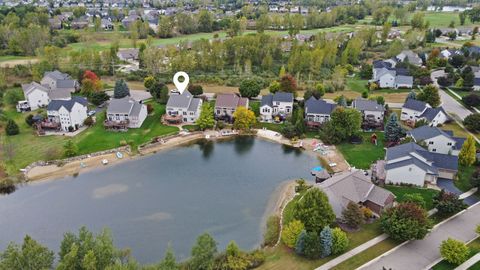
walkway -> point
(422, 253)
(473, 260)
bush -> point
(471, 100)
(472, 122)
(29, 120)
(311, 246)
(339, 241)
(291, 232)
(195, 89)
(352, 215)
(406, 221)
(272, 231)
(454, 251)
(326, 242)
(98, 98)
(367, 213)
(11, 128)
(415, 198)
(88, 121)
(448, 203)
(150, 109)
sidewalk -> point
(473, 260)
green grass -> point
(364, 154)
(400, 192)
(356, 84)
(270, 126)
(474, 249)
(28, 147)
(443, 19)
(5, 58)
(463, 178)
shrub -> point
(406, 221)
(150, 109)
(272, 231)
(448, 203)
(311, 246)
(472, 122)
(471, 100)
(415, 198)
(88, 121)
(367, 213)
(291, 232)
(339, 241)
(13, 96)
(326, 242)
(352, 215)
(11, 128)
(454, 251)
(195, 89)
(70, 149)
(300, 244)
(29, 120)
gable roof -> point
(277, 97)
(57, 75)
(318, 106)
(354, 187)
(415, 105)
(55, 105)
(431, 113)
(382, 64)
(426, 132)
(404, 80)
(367, 105)
(66, 83)
(121, 105)
(230, 101)
(29, 87)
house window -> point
(430, 142)
(449, 144)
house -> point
(317, 111)
(183, 108)
(413, 165)
(80, 23)
(70, 114)
(107, 25)
(36, 96)
(276, 107)
(130, 19)
(355, 186)
(55, 23)
(410, 56)
(386, 75)
(437, 140)
(371, 110)
(227, 104)
(415, 110)
(58, 80)
(125, 113)
(129, 55)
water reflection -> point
(243, 144)
(207, 147)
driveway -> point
(453, 106)
(420, 254)
(448, 185)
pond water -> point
(173, 196)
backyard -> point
(364, 154)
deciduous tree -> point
(406, 221)
(244, 118)
(291, 232)
(206, 118)
(203, 253)
(468, 153)
(314, 210)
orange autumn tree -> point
(91, 83)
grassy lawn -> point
(356, 84)
(443, 19)
(270, 126)
(426, 193)
(28, 147)
(463, 178)
(364, 154)
(474, 249)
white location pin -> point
(181, 86)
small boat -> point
(119, 155)
(105, 161)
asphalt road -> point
(453, 106)
(420, 254)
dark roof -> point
(458, 142)
(402, 71)
(381, 64)
(55, 105)
(476, 81)
(430, 113)
(367, 105)
(426, 132)
(318, 106)
(283, 97)
(414, 104)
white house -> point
(184, 108)
(386, 75)
(410, 56)
(71, 113)
(126, 110)
(414, 110)
(370, 109)
(411, 164)
(437, 140)
(317, 111)
(278, 105)
(36, 95)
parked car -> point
(91, 113)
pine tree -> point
(352, 215)
(169, 262)
(326, 241)
(393, 130)
(299, 246)
(467, 155)
(11, 128)
(342, 101)
(121, 89)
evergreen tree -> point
(393, 131)
(314, 210)
(121, 89)
(352, 215)
(299, 245)
(311, 246)
(412, 95)
(203, 253)
(11, 128)
(326, 242)
(70, 149)
(342, 101)
(467, 155)
(169, 262)
(339, 241)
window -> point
(434, 150)
(449, 144)
(431, 142)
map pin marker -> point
(181, 86)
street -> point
(452, 106)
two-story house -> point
(386, 75)
(414, 110)
(36, 96)
(317, 111)
(227, 104)
(125, 112)
(70, 114)
(183, 108)
(58, 80)
(437, 140)
(276, 107)
(371, 110)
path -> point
(425, 253)
(473, 260)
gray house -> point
(227, 104)
(183, 108)
(125, 113)
(59, 80)
(317, 111)
(371, 110)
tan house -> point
(227, 104)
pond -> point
(173, 196)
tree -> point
(121, 89)
(288, 84)
(352, 215)
(326, 242)
(366, 71)
(236, 260)
(462, 16)
(70, 149)
(88, 121)
(149, 81)
(274, 87)
(206, 118)
(457, 60)
(272, 231)
(471, 100)
(98, 98)
(314, 210)
(468, 153)
(311, 245)
(11, 128)
(205, 21)
(347, 123)
(454, 251)
(468, 77)
(29, 120)
(448, 203)
(406, 221)
(430, 95)
(262, 23)
(415, 198)
(165, 26)
(203, 253)
(300, 245)
(342, 101)
(89, 262)
(418, 20)
(291, 232)
(472, 122)
(339, 241)
(13, 96)
(244, 118)
(169, 262)
(195, 89)
(250, 88)
(30, 255)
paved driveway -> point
(448, 185)
(420, 254)
(452, 106)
